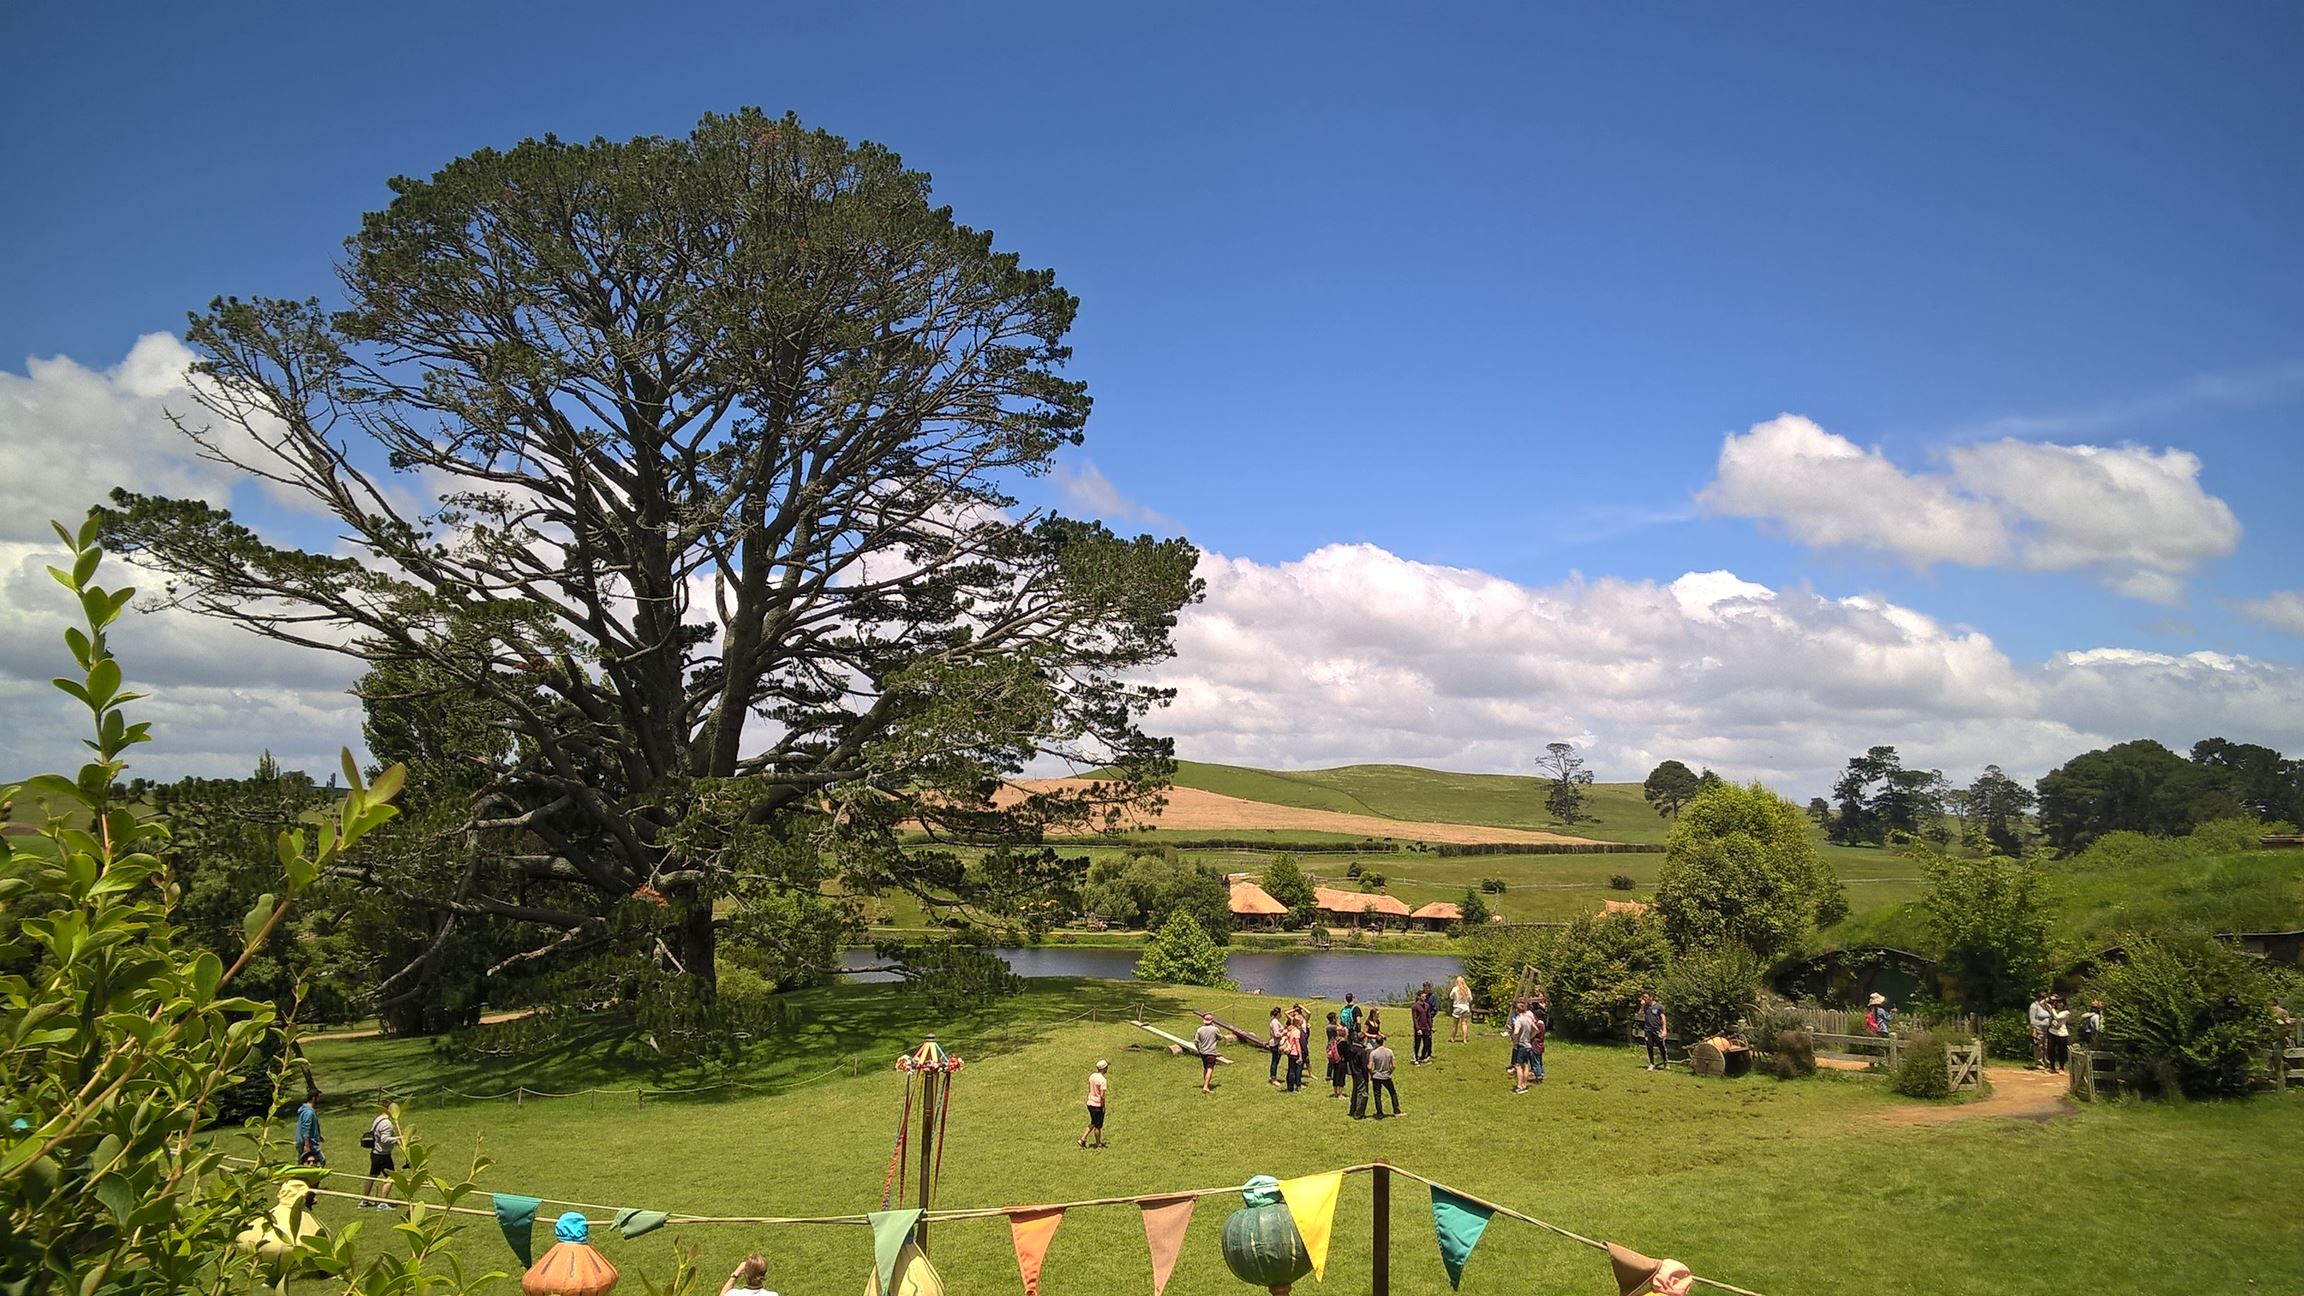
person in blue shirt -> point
(308, 1139)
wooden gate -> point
(1966, 1062)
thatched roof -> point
(1353, 902)
(1632, 907)
(1254, 901)
(1442, 910)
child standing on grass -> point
(1522, 1031)
(1335, 1057)
(1420, 1015)
(1099, 1087)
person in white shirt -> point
(383, 1143)
(1460, 1010)
(1099, 1085)
(749, 1278)
(2037, 1015)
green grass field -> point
(1781, 1187)
(1407, 792)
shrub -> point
(1475, 911)
(1595, 969)
(1620, 882)
(1710, 992)
(2008, 1035)
(2187, 1015)
(1924, 1070)
(1371, 881)
(1793, 1054)
(1352, 870)
(1182, 954)
(1492, 885)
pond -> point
(1312, 974)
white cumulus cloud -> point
(2135, 517)
(1353, 653)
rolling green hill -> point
(1407, 792)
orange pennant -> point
(1165, 1220)
(1032, 1231)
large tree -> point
(703, 449)
(1878, 797)
(1566, 781)
(2139, 786)
(1996, 806)
(1670, 786)
(1741, 867)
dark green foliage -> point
(1710, 991)
(1988, 920)
(2187, 1014)
(2141, 787)
(1924, 1068)
(1493, 886)
(1880, 800)
(1740, 867)
(1620, 882)
(1994, 808)
(1372, 881)
(1567, 782)
(1285, 882)
(1180, 953)
(951, 974)
(722, 428)
(1475, 911)
(1149, 883)
(1670, 786)
(1594, 970)
(2008, 1035)
(2257, 781)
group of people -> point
(382, 1142)
(2053, 1027)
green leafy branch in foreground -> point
(114, 1041)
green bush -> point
(2008, 1036)
(1741, 866)
(1990, 919)
(1595, 969)
(1620, 882)
(1182, 954)
(1793, 1054)
(1711, 992)
(1492, 885)
(2188, 1015)
(1924, 1069)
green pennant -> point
(516, 1215)
(632, 1223)
(890, 1231)
(1459, 1224)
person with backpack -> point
(383, 1143)
(2092, 1024)
(1878, 1016)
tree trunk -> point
(691, 937)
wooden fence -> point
(2096, 1072)
(1850, 1021)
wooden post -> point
(1382, 1285)
(930, 1083)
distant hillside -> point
(1409, 793)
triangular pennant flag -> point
(516, 1215)
(1032, 1231)
(632, 1223)
(890, 1231)
(1459, 1224)
(1312, 1200)
(1164, 1223)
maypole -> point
(933, 1067)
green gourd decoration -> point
(1261, 1244)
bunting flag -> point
(632, 1223)
(1032, 1231)
(516, 1215)
(1459, 1224)
(1164, 1223)
(1312, 1201)
(890, 1231)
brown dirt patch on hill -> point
(2016, 1093)
(1193, 810)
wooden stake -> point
(1382, 1284)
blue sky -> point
(1478, 288)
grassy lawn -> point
(1407, 792)
(1780, 1187)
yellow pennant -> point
(1312, 1200)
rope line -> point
(1002, 1212)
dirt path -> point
(2017, 1094)
(1194, 810)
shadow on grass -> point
(851, 1029)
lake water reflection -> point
(1313, 974)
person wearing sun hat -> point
(1878, 1015)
